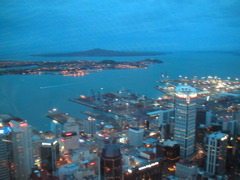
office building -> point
(49, 151)
(56, 128)
(6, 152)
(135, 136)
(216, 153)
(22, 148)
(90, 126)
(69, 141)
(185, 119)
(71, 125)
(111, 163)
(169, 150)
(186, 169)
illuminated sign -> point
(67, 134)
(11, 124)
(224, 138)
(180, 95)
(148, 166)
(54, 121)
(23, 125)
(5, 130)
(46, 144)
(129, 170)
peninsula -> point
(69, 67)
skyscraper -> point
(111, 163)
(185, 119)
(49, 151)
(6, 152)
(22, 148)
(69, 141)
(56, 128)
(136, 136)
(71, 125)
(90, 126)
(216, 153)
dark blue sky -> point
(48, 26)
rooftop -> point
(111, 151)
(170, 143)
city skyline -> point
(119, 89)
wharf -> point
(120, 103)
(102, 117)
(63, 117)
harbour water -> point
(25, 97)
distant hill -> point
(102, 52)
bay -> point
(22, 95)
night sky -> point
(49, 26)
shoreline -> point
(70, 67)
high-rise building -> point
(185, 119)
(6, 152)
(216, 153)
(169, 150)
(186, 169)
(90, 126)
(56, 128)
(136, 136)
(111, 163)
(71, 125)
(49, 151)
(22, 148)
(69, 141)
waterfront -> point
(22, 95)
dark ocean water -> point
(22, 95)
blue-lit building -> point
(6, 152)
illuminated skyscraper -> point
(111, 163)
(185, 119)
(216, 153)
(6, 152)
(22, 148)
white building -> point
(90, 126)
(69, 141)
(72, 171)
(185, 119)
(136, 137)
(71, 125)
(216, 153)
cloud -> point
(58, 25)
